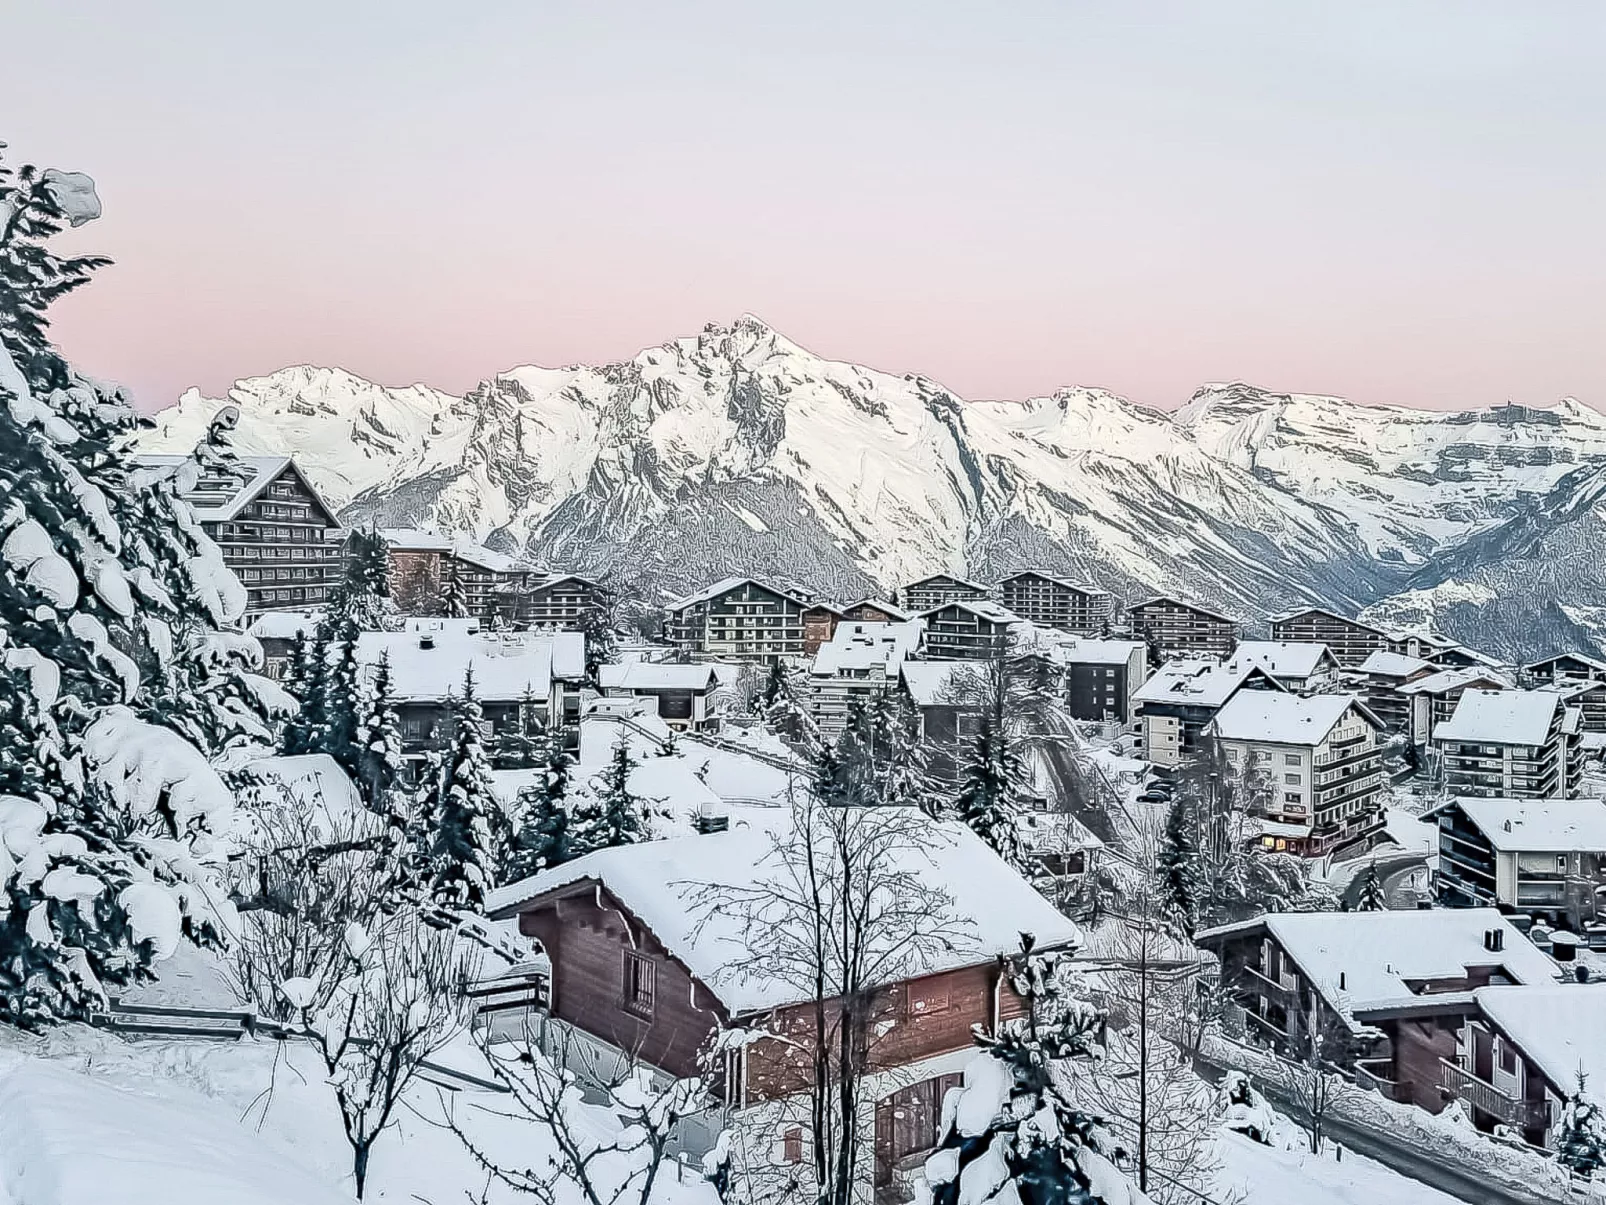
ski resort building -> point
(860, 661)
(820, 622)
(1350, 640)
(423, 563)
(969, 630)
(1309, 765)
(1298, 666)
(1433, 697)
(1565, 667)
(874, 610)
(741, 619)
(1380, 678)
(1588, 696)
(681, 695)
(1054, 602)
(1101, 676)
(1182, 697)
(1545, 857)
(651, 955)
(551, 600)
(278, 536)
(1511, 743)
(930, 592)
(1182, 629)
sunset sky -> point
(1396, 201)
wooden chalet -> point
(939, 588)
(739, 618)
(1054, 602)
(1350, 640)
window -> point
(1290, 759)
(639, 976)
(1508, 1056)
(1291, 779)
(929, 996)
(792, 1145)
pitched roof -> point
(1535, 826)
(1392, 665)
(726, 584)
(651, 675)
(991, 904)
(1180, 602)
(1079, 587)
(1279, 718)
(506, 665)
(868, 645)
(218, 498)
(947, 577)
(1285, 658)
(415, 539)
(1198, 681)
(283, 625)
(1078, 650)
(1561, 1028)
(1595, 664)
(1285, 616)
(934, 683)
(1450, 679)
(984, 608)
(880, 604)
(1501, 717)
(1378, 954)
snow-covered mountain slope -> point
(738, 451)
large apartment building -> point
(741, 619)
(929, 592)
(1054, 602)
(860, 661)
(551, 600)
(1545, 857)
(968, 630)
(1182, 629)
(1520, 744)
(280, 538)
(1350, 640)
(1310, 766)
(1101, 676)
(1183, 696)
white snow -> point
(1256, 1174)
(1198, 681)
(506, 665)
(154, 916)
(1284, 719)
(1562, 1029)
(74, 195)
(1553, 826)
(1503, 717)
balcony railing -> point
(1461, 1084)
(1283, 986)
(1373, 1075)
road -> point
(1462, 1182)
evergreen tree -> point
(312, 722)
(545, 835)
(992, 795)
(454, 599)
(523, 747)
(105, 803)
(294, 737)
(467, 828)
(614, 815)
(1177, 864)
(879, 760)
(786, 710)
(344, 709)
(360, 600)
(380, 757)
(1581, 1136)
(1372, 899)
(1014, 1108)
(598, 626)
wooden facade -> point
(965, 630)
(1182, 629)
(1350, 640)
(934, 591)
(741, 619)
(1053, 602)
(559, 600)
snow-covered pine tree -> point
(879, 759)
(1177, 866)
(344, 708)
(360, 601)
(468, 828)
(992, 795)
(379, 738)
(1014, 1133)
(786, 709)
(524, 746)
(1581, 1136)
(614, 815)
(598, 626)
(545, 835)
(1372, 898)
(454, 598)
(309, 731)
(107, 815)
(293, 735)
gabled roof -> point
(1379, 954)
(1447, 680)
(1081, 650)
(1278, 718)
(880, 604)
(218, 499)
(937, 683)
(487, 558)
(1593, 664)
(1534, 826)
(1180, 602)
(1502, 717)
(1560, 1028)
(947, 577)
(726, 584)
(650, 676)
(1079, 587)
(284, 625)
(1392, 665)
(506, 665)
(1286, 616)
(982, 608)
(1286, 658)
(868, 645)
(654, 881)
(1200, 681)
(415, 539)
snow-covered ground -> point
(1256, 1174)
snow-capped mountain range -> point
(737, 451)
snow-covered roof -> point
(1501, 717)
(934, 683)
(1393, 665)
(461, 626)
(651, 676)
(867, 645)
(1196, 681)
(414, 539)
(507, 665)
(310, 783)
(1379, 954)
(1180, 602)
(1285, 658)
(1561, 1028)
(1451, 679)
(880, 604)
(1285, 616)
(488, 558)
(991, 904)
(1083, 651)
(727, 584)
(946, 577)
(1540, 826)
(983, 608)
(1593, 663)
(218, 499)
(283, 625)
(1279, 718)
(1079, 587)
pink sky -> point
(1395, 202)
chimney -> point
(426, 640)
(713, 817)
(1341, 981)
(1494, 940)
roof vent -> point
(1494, 940)
(426, 640)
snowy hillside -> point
(737, 450)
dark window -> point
(928, 996)
(638, 984)
(792, 1145)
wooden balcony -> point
(1373, 1075)
(1460, 1084)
